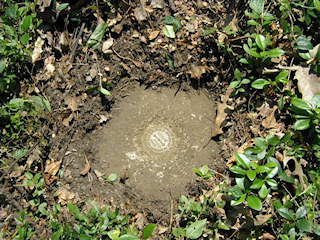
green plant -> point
(203, 172)
(173, 24)
(256, 170)
(17, 24)
(24, 231)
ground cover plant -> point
(263, 59)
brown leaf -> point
(261, 219)
(43, 4)
(270, 121)
(308, 83)
(153, 35)
(53, 167)
(66, 121)
(86, 169)
(221, 114)
(298, 168)
(268, 236)
(64, 195)
(197, 71)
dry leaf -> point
(66, 121)
(140, 12)
(268, 236)
(153, 35)
(86, 168)
(308, 84)
(270, 121)
(221, 114)
(64, 195)
(298, 168)
(261, 219)
(106, 45)
(197, 71)
(53, 167)
(43, 4)
(37, 50)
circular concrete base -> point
(156, 139)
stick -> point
(77, 43)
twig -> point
(139, 65)
(171, 212)
(19, 158)
(234, 233)
(76, 43)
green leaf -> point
(285, 213)
(257, 184)
(261, 41)
(148, 230)
(12, 11)
(302, 124)
(260, 143)
(273, 53)
(301, 104)
(175, 21)
(62, 6)
(263, 192)
(272, 140)
(251, 174)
(2, 65)
(305, 55)
(25, 39)
(239, 201)
(168, 31)
(282, 76)
(238, 170)
(112, 177)
(315, 99)
(26, 23)
(42, 208)
(250, 51)
(273, 172)
(272, 182)
(234, 84)
(243, 160)
(17, 154)
(97, 34)
(257, 6)
(195, 230)
(301, 212)
(304, 225)
(29, 175)
(254, 203)
(240, 182)
(260, 83)
(237, 74)
(128, 237)
(316, 4)
(304, 43)
(105, 91)
(253, 22)
(74, 209)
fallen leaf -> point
(37, 50)
(140, 12)
(268, 236)
(261, 219)
(53, 167)
(66, 121)
(43, 4)
(197, 71)
(106, 45)
(298, 170)
(86, 169)
(153, 35)
(308, 83)
(221, 115)
(270, 121)
(64, 195)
